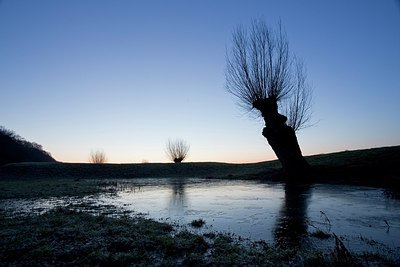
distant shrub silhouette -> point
(97, 157)
(13, 149)
(177, 150)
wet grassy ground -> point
(65, 236)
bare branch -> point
(177, 150)
(298, 105)
(97, 157)
(260, 66)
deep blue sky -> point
(124, 76)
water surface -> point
(257, 210)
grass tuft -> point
(321, 234)
(197, 223)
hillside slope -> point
(14, 148)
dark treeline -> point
(14, 148)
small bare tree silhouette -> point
(97, 157)
(177, 150)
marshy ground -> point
(70, 235)
(66, 237)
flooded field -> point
(363, 217)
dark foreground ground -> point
(62, 237)
(66, 236)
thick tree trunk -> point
(282, 138)
(283, 141)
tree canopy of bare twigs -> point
(177, 150)
(97, 157)
(260, 66)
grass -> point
(197, 223)
(378, 167)
(44, 188)
(63, 237)
(128, 171)
(67, 237)
(349, 164)
(321, 234)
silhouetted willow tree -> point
(97, 157)
(177, 150)
(266, 78)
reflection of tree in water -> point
(291, 225)
(178, 198)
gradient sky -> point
(124, 76)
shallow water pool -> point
(278, 213)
